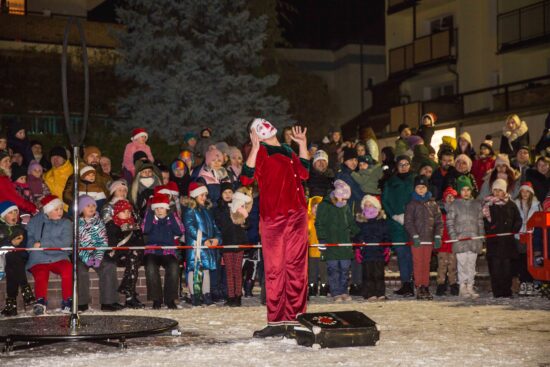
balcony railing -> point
(395, 6)
(524, 27)
(527, 93)
(424, 51)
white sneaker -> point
(463, 291)
(471, 291)
(529, 289)
(523, 289)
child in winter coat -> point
(465, 219)
(528, 205)
(501, 215)
(118, 190)
(335, 224)
(124, 230)
(12, 235)
(446, 259)
(162, 228)
(19, 179)
(50, 229)
(485, 162)
(147, 178)
(368, 175)
(138, 144)
(373, 229)
(93, 234)
(212, 173)
(172, 191)
(230, 216)
(317, 268)
(87, 185)
(235, 166)
(200, 230)
(427, 129)
(464, 146)
(423, 223)
(180, 174)
(38, 187)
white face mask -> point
(264, 129)
(147, 181)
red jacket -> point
(8, 193)
(445, 247)
(480, 168)
(279, 181)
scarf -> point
(427, 196)
(490, 201)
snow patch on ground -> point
(446, 332)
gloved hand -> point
(399, 218)
(416, 241)
(358, 256)
(437, 242)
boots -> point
(441, 290)
(323, 290)
(39, 307)
(454, 289)
(28, 295)
(354, 290)
(471, 291)
(423, 294)
(133, 302)
(270, 331)
(406, 290)
(312, 290)
(230, 302)
(11, 307)
(463, 291)
(248, 285)
(207, 298)
(238, 302)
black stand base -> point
(29, 332)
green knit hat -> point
(464, 181)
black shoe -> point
(455, 289)
(171, 305)
(441, 289)
(83, 308)
(134, 303)
(248, 285)
(420, 293)
(312, 290)
(157, 305)
(354, 290)
(28, 295)
(406, 290)
(112, 307)
(207, 299)
(270, 331)
(196, 299)
(290, 333)
(323, 290)
(230, 302)
(237, 302)
(11, 307)
(427, 295)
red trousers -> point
(421, 264)
(284, 244)
(234, 270)
(41, 275)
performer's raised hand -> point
(299, 135)
(255, 139)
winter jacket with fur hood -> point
(513, 140)
(465, 219)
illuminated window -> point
(16, 7)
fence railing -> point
(524, 25)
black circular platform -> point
(51, 329)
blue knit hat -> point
(84, 201)
(6, 207)
(188, 136)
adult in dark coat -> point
(320, 177)
(515, 135)
(539, 176)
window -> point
(441, 24)
(16, 7)
(439, 91)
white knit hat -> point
(239, 200)
(466, 159)
(86, 169)
(320, 155)
(372, 200)
(499, 184)
(115, 185)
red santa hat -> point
(50, 202)
(171, 188)
(528, 186)
(139, 132)
(195, 189)
(160, 201)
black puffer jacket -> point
(504, 218)
(320, 184)
(232, 234)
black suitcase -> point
(336, 329)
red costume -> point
(283, 229)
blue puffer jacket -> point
(50, 233)
(195, 219)
(373, 230)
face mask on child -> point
(370, 212)
(341, 204)
(147, 181)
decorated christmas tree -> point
(194, 63)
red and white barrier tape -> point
(252, 246)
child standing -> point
(501, 215)
(231, 215)
(123, 230)
(138, 144)
(372, 223)
(13, 234)
(162, 228)
(423, 223)
(199, 225)
(464, 219)
(93, 234)
(446, 259)
(317, 267)
(50, 229)
(335, 224)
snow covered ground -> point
(445, 332)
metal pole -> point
(74, 321)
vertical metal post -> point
(74, 322)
